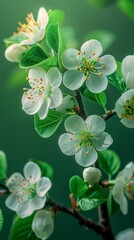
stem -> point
(81, 111)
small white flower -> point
(15, 52)
(34, 31)
(27, 194)
(85, 65)
(124, 186)
(92, 175)
(128, 70)
(44, 93)
(43, 224)
(84, 138)
(127, 234)
(125, 108)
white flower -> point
(124, 186)
(43, 224)
(92, 175)
(128, 70)
(85, 65)
(27, 194)
(83, 138)
(125, 108)
(67, 104)
(34, 31)
(44, 93)
(15, 52)
(127, 234)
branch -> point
(3, 190)
(81, 110)
(109, 114)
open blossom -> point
(27, 193)
(125, 108)
(44, 93)
(86, 65)
(128, 70)
(43, 224)
(127, 234)
(84, 138)
(15, 52)
(124, 186)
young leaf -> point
(21, 229)
(47, 127)
(93, 198)
(46, 169)
(99, 98)
(1, 220)
(109, 161)
(3, 166)
(56, 16)
(112, 205)
(77, 186)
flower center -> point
(128, 109)
(25, 190)
(129, 189)
(85, 139)
(30, 27)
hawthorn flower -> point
(128, 70)
(86, 65)
(15, 52)
(43, 224)
(125, 108)
(84, 138)
(92, 175)
(124, 186)
(127, 234)
(44, 93)
(27, 193)
(34, 31)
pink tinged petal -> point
(128, 65)
(56, 98)
(86, 156)
(95, 124)
(32, 172)
(102, 141)
(39, 35)
(71, 58)
(54, 77)
(75, 124)
(15, 52)
(12, 202)
(96, 83)
(68, 144)
(42, 18)
(124, 205)
(73, 79)
(91, 49)
(108, 65)
(27, 42)
(43, 186)
(43, 111)
(36, 75)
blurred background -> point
(17, 135)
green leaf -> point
(117, 79)
(17, 38)
(46, 169)
(54, 41)
(56, 16)
(93, 198)
(3, 166)
(112, 205)
(77, 186)
(47, 127)
(101, 3)
(21, 229)
(109, 161)
(1, 220)
(99, 98)
(127, 6)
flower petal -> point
(27, 42)
(102, 141)
(118, 191)
(128, 65)
(95, 124)
(128, 122)
(31, 105)
(42, 18)
(39, 35)
(70, 59)
(14, 180)
(106, 64)
(92, 49)
(124, 205)
(127, 173)
(75, 124)
(67, 144)
(35, 75)
(130, 80)
(43, 111)
(15, 52)
(56, 98)
(86, 156)
(54, 77)
(96, 83)
(12, 202)
(32, 172)
(73, 79)
(25, 209)
(43, 186)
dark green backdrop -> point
(17, 135)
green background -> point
(17, 135)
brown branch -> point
(109, 114)
(81, 110)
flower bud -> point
(15, 52)
(91, 175)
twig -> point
(109, 114)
